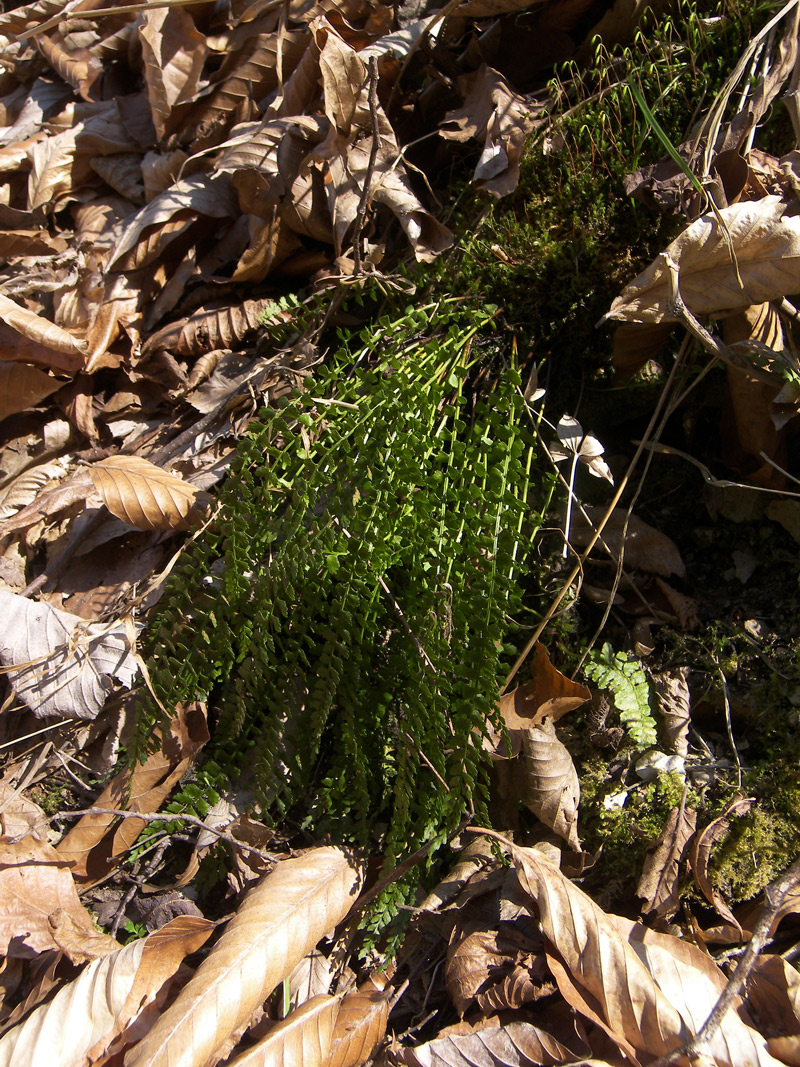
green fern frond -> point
(627, 682)
(357, 586)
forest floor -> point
(399, 523)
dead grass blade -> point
(279, 922)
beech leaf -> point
(765, 235)
(303, 1039)
(549, 783)
(279, 922)
(59, 664)
(85, 1015)
(142, 494)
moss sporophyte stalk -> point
(358, 584)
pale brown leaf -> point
(56, 662)
(692, 982)
(278, 923)
(658, 884)
(174, 52)
(516, 1044)
(210, 328)
(650, 992)
(766, 239)
(773, 994)
(143, 495)
(22, 386)
(209, 196)
(30, 243)
(41, 332)
(470, 962)
(93, 845)
(674, 705)
(20, 816)
(360, 1024)
(597, 972)
(303, 1039)
(87, 1014)
(39, 905)
(494, 113)
(549, 783)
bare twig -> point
(361, 214)
(192, 820)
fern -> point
(357, 586)
(629, 685)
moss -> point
(556, 252)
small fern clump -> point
(345, 613)
(628, 684)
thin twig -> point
(361, 214)
(192, 820)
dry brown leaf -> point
(20, 816)
(548, 694)
(30, 243)
(57, 663)
(471, 958)
(548, 782)
(674, 705)
(143, 495)
(646, 549)
(86, 1015)
(494, 113)
(158, 222)
(766, 238)
(209, 329)
(360, 1025)
(650, 992)
(22, 386)
(174, 52)
(39, 905)
(692, 982)
(773, 994)
(515, 1044)
(278, 923)
(92, 846)
(597, 972)
(303, 1039)
(658, 884)
(700, 854)
(42, 332)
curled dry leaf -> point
(57, 663)
(492, 112)
(278, 923)
(39, 905)
(658, 885)
(44, 333)
(302, 1040)
(549, 783)
(650, 992)
(597, 972)
(766, 239)
(700, 855)
(87, 1014)
(142, 494)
